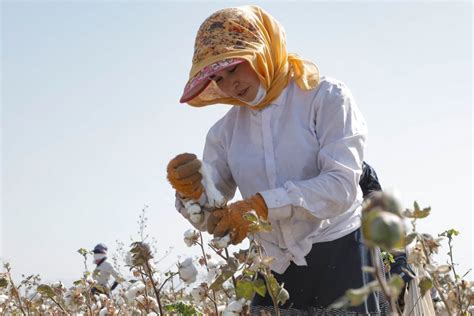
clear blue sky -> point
(90, 114)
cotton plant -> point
(74, 299)
(255, 262)
(207, 300)
(244, 273)
(220, 283)
(220, 244)
(141, 262)
(152, 285)
(453, 295)
(382, 226)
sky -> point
(90, 116)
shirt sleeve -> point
(109, 268)
(215, 155)
(341, 132)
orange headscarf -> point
(250, 33)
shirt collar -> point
(281, 99)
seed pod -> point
(383, 229)
(382, 201)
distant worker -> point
(103, 271)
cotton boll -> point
(283, 296)
(3, 298)
(191, 236)
(234, 308)
(98, 303)
(134, 290)
(192, 207)
(187, 271)
(156, 278)
(194, 210)
(213, 267)
(152, 265)
(214, 196)
(96, 306)
(91, 281)
(211, 275)
(57, 285)
(196, 218)
(188, 242)
(119, 301)
(212, 263)
(198, 294)
(149, 302)
(221, 242)
(103, 312)
(103, 297)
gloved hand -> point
(184, 176)
(114, 286)
(230, 219)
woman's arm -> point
(341, 133)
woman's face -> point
(239, 81)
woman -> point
(293, 143)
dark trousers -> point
(333, 267)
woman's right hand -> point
(184, 176)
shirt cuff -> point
(278, 203)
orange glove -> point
(230, 219)
(184, 176)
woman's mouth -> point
(243, 93)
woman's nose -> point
(235, 84)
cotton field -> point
(222, 283)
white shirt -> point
(103, 272)
(303, 153)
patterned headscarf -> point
(249, 33)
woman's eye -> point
(233, 69)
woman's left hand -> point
(230, 219)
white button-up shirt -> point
(103, 272)
(303, 153)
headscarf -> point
(250, 33)
(98, 257)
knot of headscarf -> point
(252, 34)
